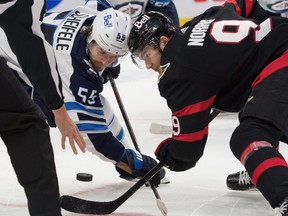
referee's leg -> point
(26, 135)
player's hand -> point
(141, 164)
(114, 71)
(162, 151)
(138, 165)
(68, 129)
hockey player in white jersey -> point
(137, 8)
(134, 8)
(88, 45)
(275, 6)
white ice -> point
(200, 191)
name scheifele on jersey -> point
(65, 36)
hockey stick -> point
(159, 202)
(156, 128)
(82, 206)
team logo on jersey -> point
(183, 30)
(163, 69)
(249, 99)
(133, 9)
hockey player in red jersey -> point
(241, 180)
(234, 58)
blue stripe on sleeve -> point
(77, 106)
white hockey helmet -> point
(110, 30)
(275, 6)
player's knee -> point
(251, 130)
(239, 140)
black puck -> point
(84, 177)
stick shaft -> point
(77, 205)
(82, 206)
(123, 112)
(129, 127)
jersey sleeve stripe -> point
(79, 107)
(274, 66)
(249, 7)
(195, 108)
(192, 137)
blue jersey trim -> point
(77, 106)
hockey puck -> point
(84, 177)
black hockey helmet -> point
(148, 29)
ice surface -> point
(200, 191)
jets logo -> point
(134, 9)
(131, 11)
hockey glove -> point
(114, 71)
(140, 164)
(162, 151)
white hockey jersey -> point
(82, 86)
(63, 33)
(133, 8)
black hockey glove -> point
(114, 71)
(175, 160)
(161, 153)
(140, 165)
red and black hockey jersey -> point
(213, 61)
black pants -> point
(265, 118)
(26, 135)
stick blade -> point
(156, 128)
(81, 206)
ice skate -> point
(240, 181)
(282, 210)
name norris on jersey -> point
(67, 30)
(198, 33)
